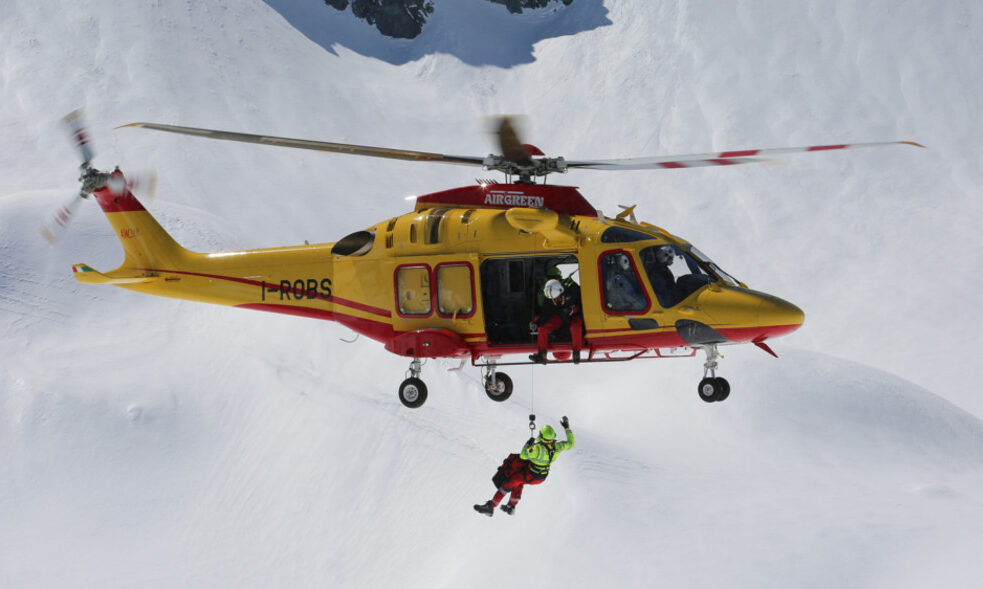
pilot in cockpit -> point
(657, 261)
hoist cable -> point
(532, 402)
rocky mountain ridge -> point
(404, 19)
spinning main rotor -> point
(517, 158)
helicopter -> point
(459, 276)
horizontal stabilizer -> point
(86, 275)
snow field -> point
(151, 442)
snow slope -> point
(150, 442)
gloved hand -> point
(531, 442)
(565, 422)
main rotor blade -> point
(723, 158)
(661, 163)
(383, 152)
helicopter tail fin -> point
(148, 247)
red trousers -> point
(514, 486)
(555, 322)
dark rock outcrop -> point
(404, 19)
(516, 6)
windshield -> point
(727, 278)
(673, 273)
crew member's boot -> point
(487, 508)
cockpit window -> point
(622, 235)
(673, 274)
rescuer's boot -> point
(486, 508)
(539, 357)
(508, 508)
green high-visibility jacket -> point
(540, 456)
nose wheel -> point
(712, 388)
(413, 391)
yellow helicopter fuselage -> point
(460, 276)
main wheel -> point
(412, 392)
(724, 389)
(498, 387)
(710, 388)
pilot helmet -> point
(665, 255)
(553, 289)
(624, 262)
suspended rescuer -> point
(530, 467)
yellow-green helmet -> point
(547, 434)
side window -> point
(413, 290)
(455, 292)
(622, 292)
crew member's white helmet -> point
(665, 255)
(553, 289)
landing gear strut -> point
(498, 385)
(712, 388)
(412, 391)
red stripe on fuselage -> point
(276, 287)
(752, 334)
(377, 330)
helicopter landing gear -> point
(498, 385)
(712, 388)
(413, 391)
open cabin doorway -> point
(511, 290)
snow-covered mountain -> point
(151, 442)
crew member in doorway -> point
(530, 467)
(560, 307)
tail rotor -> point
(54, 227)
(80, 135)
(92, 180)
